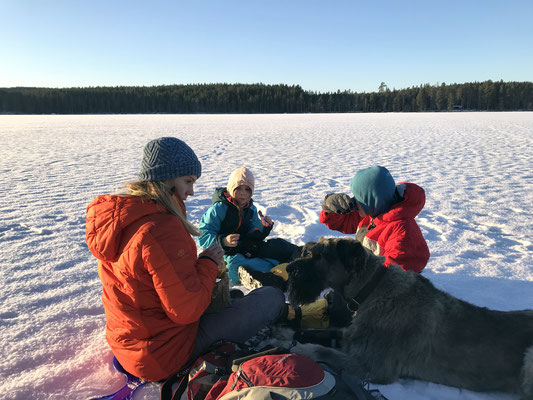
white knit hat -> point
(241, 176)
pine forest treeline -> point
(260, 98)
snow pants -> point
(269, 254)
(240, 321)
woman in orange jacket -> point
(155, 287)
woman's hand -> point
(231, 240)
(214, 252)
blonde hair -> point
(160, 191)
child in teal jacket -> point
(235, 224)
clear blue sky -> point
(323, 45)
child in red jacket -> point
(382, 216)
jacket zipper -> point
(229, 198)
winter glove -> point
(338, 203)
(249, 248)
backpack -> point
(272, 374)
(197, 379)
(288, 376)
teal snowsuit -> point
(224, 218)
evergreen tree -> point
(441, 100)
(259, 98)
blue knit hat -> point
(374, 189)
(167, 158)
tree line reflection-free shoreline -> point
(260, 98)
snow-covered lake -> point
(476, 168)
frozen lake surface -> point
(476, 168)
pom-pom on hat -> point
(167, 158)
(241, 176)
(374, 189)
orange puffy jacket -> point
(154, 288)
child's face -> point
(242, 195)
(360, 209)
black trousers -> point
(278, 249)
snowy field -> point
(476, 168)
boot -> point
(325, 337)
(236, 294)
(252, 279)
(312, 315)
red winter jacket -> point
(154, 288)
(396, 235)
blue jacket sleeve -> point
(210, 225)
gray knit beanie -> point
(167, 158)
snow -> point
(476, 169)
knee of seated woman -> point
(272, 299)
